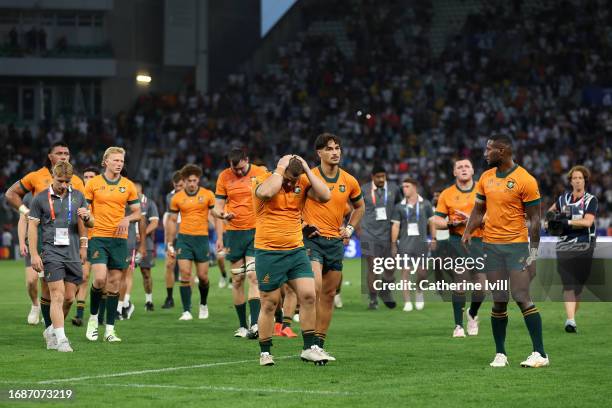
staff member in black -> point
(62, 215)
(577, 240)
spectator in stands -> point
(42, 40)
(62, 44)
(510, 70)
(14, 38)
(31, 39)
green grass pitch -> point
(385, 357)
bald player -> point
(324, 230)
(510, 196)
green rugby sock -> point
(278, 315)
(254, 307)
(112, 300)
(286, 321)
(203, 287)
(474, 307)
(309, 338)
(477, 299)
(95, 295)
(102, 309)
(320, 339)
(458, 308)
(186, 295)
(241, 312)
(265, 345)
(533, 321)
(499, 322)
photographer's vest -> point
(576, 211)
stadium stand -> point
(368, 72)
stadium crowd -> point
(392, 101)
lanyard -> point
(408, 212)
(69, 205)
(374, 195)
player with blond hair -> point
(108, 194)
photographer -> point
(572, 218)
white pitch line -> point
(152, 371)
(227, 389)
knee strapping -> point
(239, 271)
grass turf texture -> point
(401, 359)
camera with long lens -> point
(557, 222)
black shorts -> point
(67, 271)
(574, 268)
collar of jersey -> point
(498, 174)
(54, 194)
(112, 183)
(468, 190)
(329, 180)
(194, 194)
(405, 201)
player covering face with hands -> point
(280, 256)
